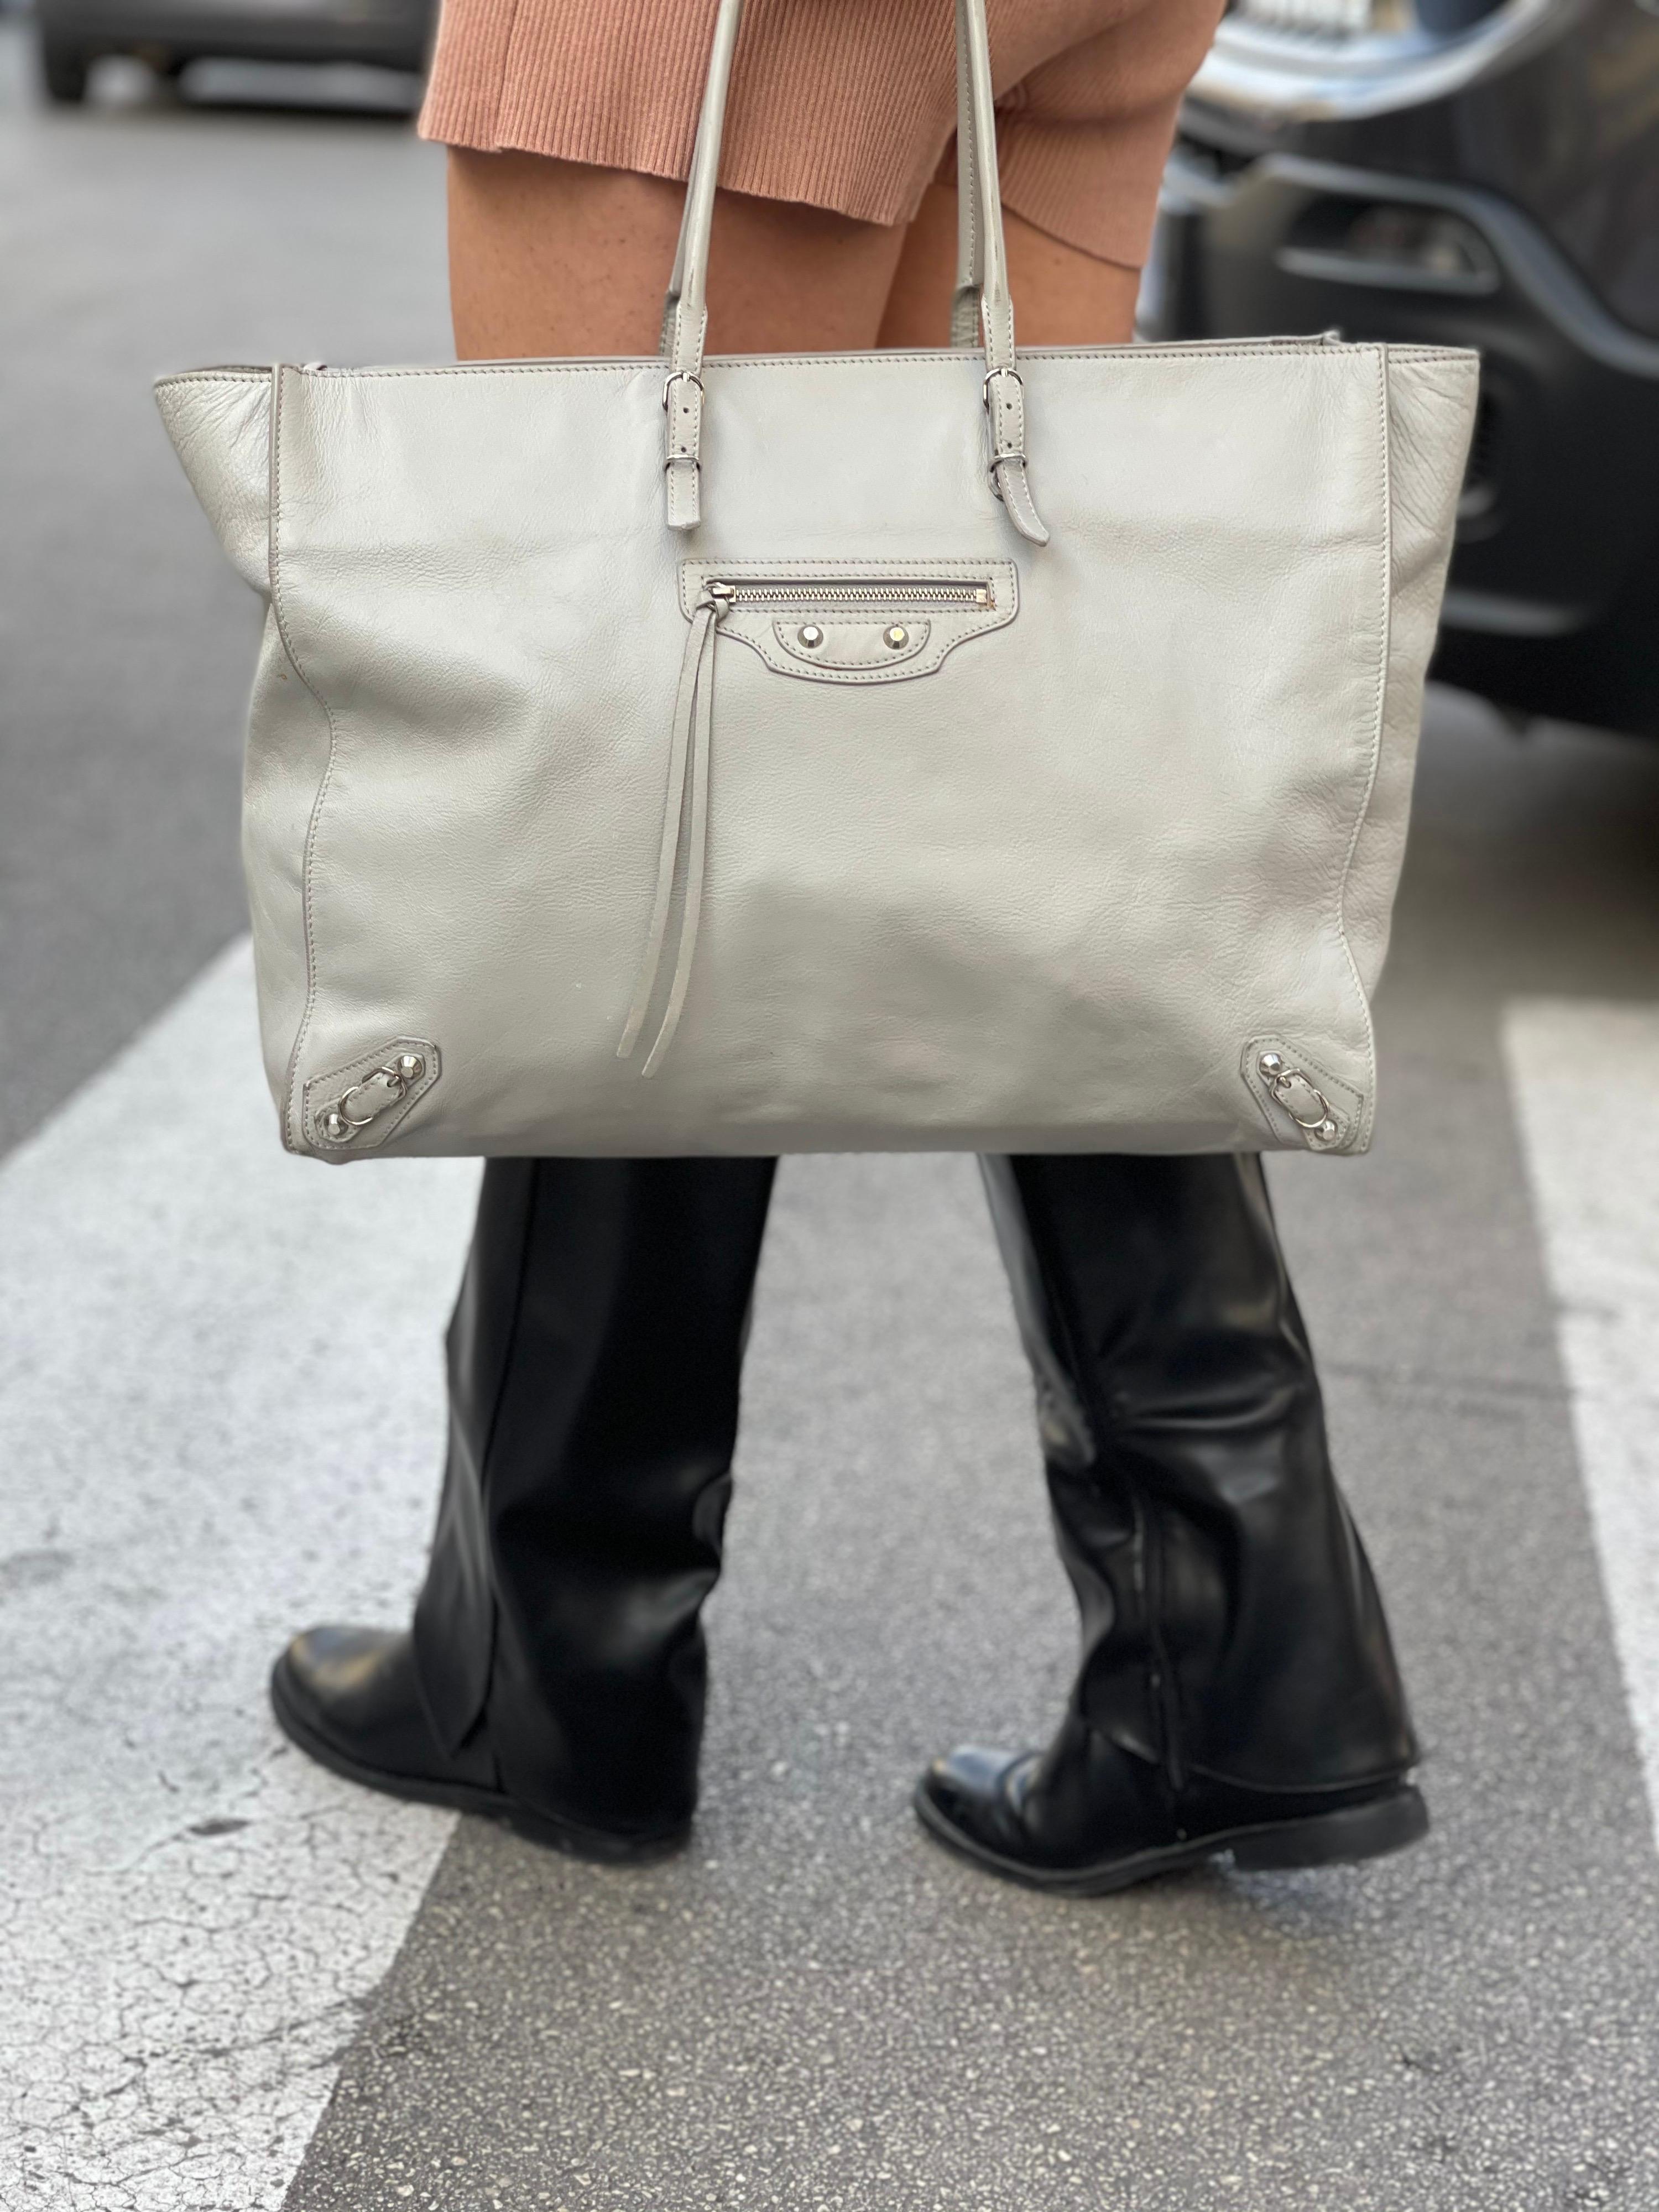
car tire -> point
(63, 72)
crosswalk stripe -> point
(1586, 1081)
(220, 1413)
(220, 1405)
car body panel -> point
(389, 33)
(1540, 179)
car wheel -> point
(63, 71)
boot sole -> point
(599, 1846)
(1343, 1837)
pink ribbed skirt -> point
(846, 104)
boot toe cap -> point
(334, 1662)
(352, 1694)
(972, 1791)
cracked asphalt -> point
(232, 1984)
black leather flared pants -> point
(1230, 1624)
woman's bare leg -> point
(557, 258)
(1062, 296)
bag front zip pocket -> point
(852, 627)
(864, 595)
(875, 625)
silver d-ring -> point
(1322, 1119)
(342, 1107)
(1282, 1081)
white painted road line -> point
(220, 1417)
(1586, 1081)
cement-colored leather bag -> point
(935, 750)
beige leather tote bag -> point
(818, 752)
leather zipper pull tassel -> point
(694, 707)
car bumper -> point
(393, 33)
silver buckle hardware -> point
(678, 376)
(1000, 455)
(684, 429)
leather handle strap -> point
(987, 261)
(971, 271)
(685, 311)
(981, 295)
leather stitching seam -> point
(630, 365)
(1368, 1110)
(290, 1100)
(927, 660)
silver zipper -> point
(814, 592)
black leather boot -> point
(1239, 1690)
(555, 1677)
(351, 1697)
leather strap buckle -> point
(680, 376)
(1003, 454)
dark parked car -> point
(168, 34)
(1478, 173)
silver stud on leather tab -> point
(1302, 1099)
(896, 636)
(809, 634)
(344, 1118)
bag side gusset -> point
(1431, 395)
(219, 421)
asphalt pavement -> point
(232, 1984)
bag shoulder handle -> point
(982, 306)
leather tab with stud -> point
(1302, 1099)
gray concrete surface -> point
(135, 238)
(217, 1395)
(813, 2008)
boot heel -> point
(1355, 1831)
